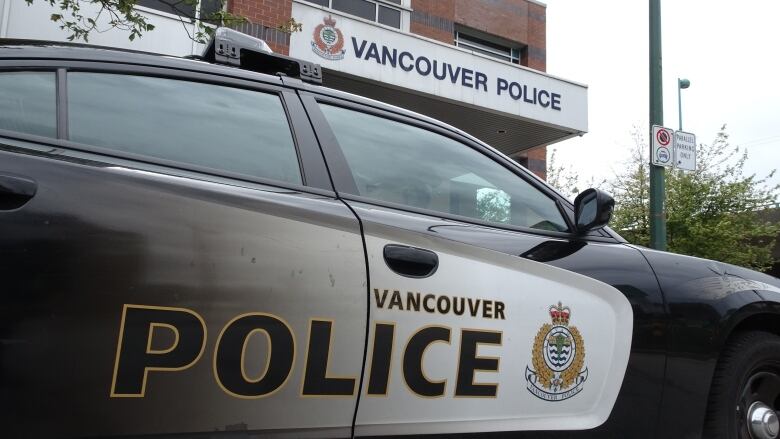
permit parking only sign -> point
(663, 145)
(685, 150)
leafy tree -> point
(121, 14)
(567, 182)
(493, 205)
(712, 212)
(631, 190)
(561, 177)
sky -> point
(727, 49)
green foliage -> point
(121, 14)
(631, 190)
(712, 212)
(566, 181)
(560, 177)
(493, 205)
(290, 26)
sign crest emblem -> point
(328, 41)
(558, 357)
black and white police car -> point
(221, 247)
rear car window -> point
(222, 128)
(404, 164)
(28, 103)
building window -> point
(488, 45)
(181, 8)
(387, 12)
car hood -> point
(688, 277)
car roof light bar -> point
(234, 48)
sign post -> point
(685, 151)
(657, 192)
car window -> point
(28, 102)
(222, 128)
(400, 163)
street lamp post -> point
(657, 192)
(681, 84)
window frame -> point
(167, 14)
(513, 55)
(344, 181)
(314, 174)
(404, 8)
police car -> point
(221, 247)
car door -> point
(168, 265)
(463, 339)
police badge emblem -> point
(558, 358)
(328, 40)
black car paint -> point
(116, 226)
(680, 325)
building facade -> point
(479, 65)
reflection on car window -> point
(222, 128)
(404, 164)
(28, 103)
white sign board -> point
(663, 146)
(365, 49)
(685, 150)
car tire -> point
(746, 382)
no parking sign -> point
(663, 145)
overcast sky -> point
(727, 49)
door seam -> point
(368, 318)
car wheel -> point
(745, 393)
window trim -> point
(343, 179)
(171, 15)
(314, 175)
(404, 8)
(474, 46)
(61, 100)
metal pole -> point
(657, 190)
(679, 102)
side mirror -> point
(592, 210)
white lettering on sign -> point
(417, 64)
(685, 151)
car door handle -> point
(411, 261)
(15, 191)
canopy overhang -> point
(511, 107)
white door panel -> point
(471, 364)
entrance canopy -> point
(511, 107)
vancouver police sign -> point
(399, 59)
(457, 75)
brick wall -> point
(434, 19)
(537, 37)
(505, 18)
(263, 18)
(535, 160)
(515, 20)
(535, 57)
